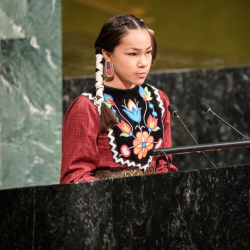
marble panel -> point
(185, 186)
(221, 216)
(16, 213)
(153, 212)
(39, 20)
(234, 205)
(1, 113)
(183, 210)
(31, 116)
(226, 90)
(198, 209)
(30, 84)
(72, 216)
(129, 213)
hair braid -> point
(107, 117)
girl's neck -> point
(117, 83)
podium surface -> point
(198, 209)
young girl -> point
(110, 131)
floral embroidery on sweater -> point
(139, 123)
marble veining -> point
(9, 28)
(30, 82)
(191, 210)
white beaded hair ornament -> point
(99, 78)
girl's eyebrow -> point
(139, 49)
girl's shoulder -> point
(84, 104)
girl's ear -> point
(106, 54)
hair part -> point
(110, 36)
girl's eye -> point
(149, 52)
(131, 54)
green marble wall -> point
(30, 92)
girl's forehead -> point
(136, 38)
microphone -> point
(172, 109)
(205, 107)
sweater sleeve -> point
(80, 155)
(161, 164)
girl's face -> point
(131, 59)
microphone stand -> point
(201, 147)
(176, 114)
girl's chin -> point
(140, 81)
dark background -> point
(227, 91)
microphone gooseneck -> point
(172, 109)
(205, 107)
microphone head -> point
(172, 109)
(205, 107)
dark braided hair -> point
(110, 36)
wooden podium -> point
(199, 209)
